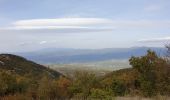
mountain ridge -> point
(68, 55)
(22, 66)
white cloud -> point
(81, 25)
(60, 25)
(43, 42)
(62, 22)
(43, 27)
(25, 43)
(35, 43)
(164, 39)
(88, 23)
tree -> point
(23, 84)
(100, 94)
(153, 71)
(63, 85)
(168, 50)
(82, 84)
(8, 83)
(47, 89)
(118, 88)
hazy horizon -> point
(55, 48)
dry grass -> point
(159, 97)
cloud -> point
(88, 23)
(62, 22)
(37, 42)
(141, 24)
(152, 8)
(43, 42)
(164, 39)
(25, 43)
(80, 25)
(60, 25)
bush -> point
(8, 83)
(100, 94)
(153, 72)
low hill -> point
(127, 75)
(22, 66)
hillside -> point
(22, 66)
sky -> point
(28, 25)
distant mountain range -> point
(67, 55)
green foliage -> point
(151, 68)
(145, 64)
(82, 83)
(47, 89)
(118, 88)
(53, 89)
(101, 94)
(8, 83)
(23, 84)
